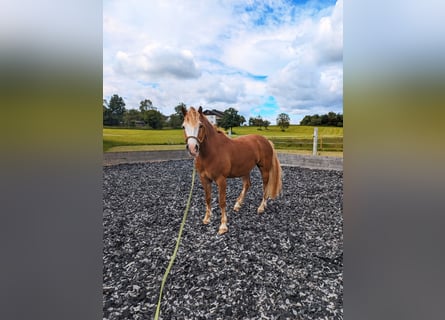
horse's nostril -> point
(187, 146)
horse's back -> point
(256, 142)
(255, 147)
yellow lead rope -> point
(178, 240)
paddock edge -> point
(286, 159)
(311, 162)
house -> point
(214, 116)
(139, 123)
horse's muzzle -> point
(192, 146)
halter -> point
(199, 141)
(200, 136)
(196, 138)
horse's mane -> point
(195, 115)
(218, 129)
(211, 125)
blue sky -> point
(259, 57)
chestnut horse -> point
(218, 157)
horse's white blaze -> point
(191, 131)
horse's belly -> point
(241, 170)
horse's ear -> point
(200, 110)
(184, 110)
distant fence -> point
(323, 143)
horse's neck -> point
(213, 140)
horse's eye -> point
(200, 125)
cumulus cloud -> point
(221, 90)
(248, 55)
(258, 52)
(313, 78)
(157, 62)
(329, 36)
(302, 88)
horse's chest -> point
(210, 174)
(212, 171)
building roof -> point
(214, 112)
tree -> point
(306, 121)
(230, 119)
(332, 119)
(283, 121)
(252, 122)
(154, 118)
(329, 119)
(131, 116)
(175, 121)
(146, 105)
(242, 120)
(324, 120)
(315, 120)
(151, 115)
(178, 110)
(339, 120)
(257, 122)
(114, 113)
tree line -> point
(330, 119)
(115, 114)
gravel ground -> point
(284, 264)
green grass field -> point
(137, 137)
(294, 138)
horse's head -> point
(194, 130)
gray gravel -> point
(284, 264)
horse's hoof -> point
(206, 219)
(222, 230)
(237, 207)
(260, 210)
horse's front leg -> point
(221, 182)
(207, 185)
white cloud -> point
(213, 54)
(303, 87)
(313, 78)
(259, 52)
(222, 90)
(156, 62)
(167, 61)
(329, 35)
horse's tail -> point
(273, 188)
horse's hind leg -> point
(207, 185)
(240, 200)
(265, 176)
